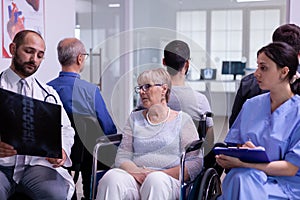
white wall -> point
(294, 16)
(59, 23)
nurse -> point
(270, 120)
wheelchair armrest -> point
(110, 138)
(208, 114)
(102, 141)
(195, 145)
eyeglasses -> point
(145, 87)
(86, 55)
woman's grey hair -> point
(156, 76)
(68, 49)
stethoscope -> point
(49, 95)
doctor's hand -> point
(58, 162)
(6, 150)
(228, 162)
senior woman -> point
(148, 158)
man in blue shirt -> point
(80, 97)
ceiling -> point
(84, 6)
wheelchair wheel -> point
(210, 187)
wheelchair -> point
(206, 186)
(109, 140)
(87, 130)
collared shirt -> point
(82, 97)
(9, 81)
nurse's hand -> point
(248, 144)
(6, 150)
(228, 162)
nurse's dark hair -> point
(284, 55)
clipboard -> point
(31, 126)
(250, 155)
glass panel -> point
(198, 37)
(218, 21)
(234, 40)
(260, 35)
(123, 46)
(235, 21)
(218, 41)
(226, 43)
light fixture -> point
(242, 1)
(114, 5)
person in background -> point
(272, 121)
(80, 97)
(182, 97)
(288, 33)
(39, 177)
(148, 158)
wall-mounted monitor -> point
(208, 74)
(234, 68)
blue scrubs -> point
(279, 133)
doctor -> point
(37, 177)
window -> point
(262, 25)
(226, 37)
(192, 24)
(231, 35)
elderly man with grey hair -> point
(80, 97)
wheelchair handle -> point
(105, 140)
(195, 145)
(202, 124)
(109, 138)
(205, 115)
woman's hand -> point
(6, 150)
(141, 175)
(228, 162)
